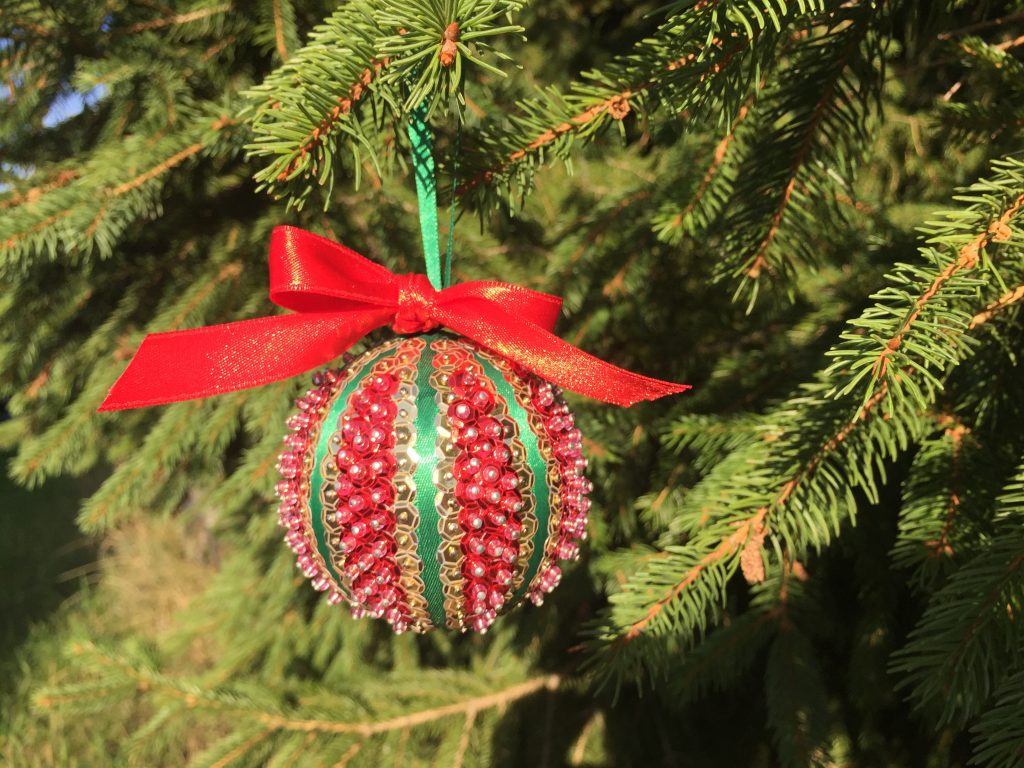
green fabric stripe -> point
(316, 482)
(537, 464)
(426, 494)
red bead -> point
(482, 449)
(385, 384)
(467, 467)
(461, 410)
(471, 520)
(482, 400)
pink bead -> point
(495, 548)
(477, 591)
(511, 503)
(474, 544)
(568, 550)
(298, 422)
(381, 496)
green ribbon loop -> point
(426, 192)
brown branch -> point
(157, 170)
(1008, 299)
(817, 116)
(721, 149)
(490, 701)
(240, 750)
(61, 179)
(176, 159)
(350, 753)
(726, 548)
(998, 231)
(282, 49)
(37, 227)
(179, 18)
(343, 107)
(228, 272)
(467, 731)
(942, 546)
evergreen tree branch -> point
(999, 733)
(178, 18)
(920, 320)
(702, 55)
(962, 645)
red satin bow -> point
(338, 297)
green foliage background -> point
(807, 209)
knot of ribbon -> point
(336, 297)
(415, 297)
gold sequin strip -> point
(449, 354)
(407, 518)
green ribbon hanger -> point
(426, 192)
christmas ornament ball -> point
(433, 483)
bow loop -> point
(416, 300)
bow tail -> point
(182, 365)
(545, 354)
